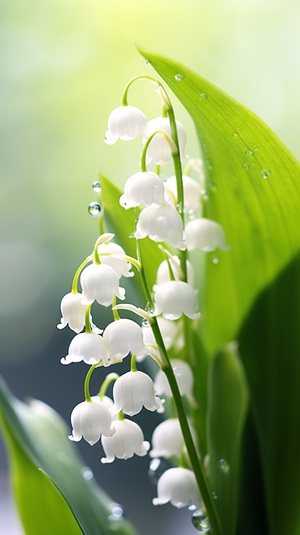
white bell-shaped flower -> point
(110, 255)
(205, 234)
(100, 282)
(89, 420)
(174, 298)
(159, 150)
(124, 336)
(179, 487)
(163, 273)
(132, 391)
(184, 378)
(125, 122)
(127, 441)
(160, 224)
(143, 187)
(191, 190)
(73, 312)
(89, 347)
(167, 439)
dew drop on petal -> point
(203, 96)
(87, 473)
(96, 186)
(200, 521)
(223, 466)
(265, 173)
(156, 469)
(94, 209)
(179, 77)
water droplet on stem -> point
(200, 521)
(224, 466)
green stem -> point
(133, 367)
(88, 327)
(79, 270)
(170, 141)
(86, 387)
(186, 432)
(108, 379)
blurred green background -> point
(63, 68)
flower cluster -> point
(162, 207)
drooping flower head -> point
(124, 336)
(179, 487)
(159, 150)
(160, 224)
(143, 187)
(73, 312)
(205, 234)
(111, 254)
(191, 189)
(100, 283)
(125, 122)
(87, 347)
(174, 298)
(89, 420)
(132, 391)
(127, 441)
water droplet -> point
(117, 515)
(224, 466)
(96, 186)
(200, 521)
(94, 209)
(256, 149)
(149, 308)
(179, 206)
(87, 473)
(265, 173)
(246, 166)
(214, 495)
(248, 152)
(157, 467)
(203, 96)
(234, 134)
(193, 507)
(179, 77)
(145, 323)
(191, 214)
(215, 260)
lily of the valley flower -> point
(174, 298)
(73, 312)
(132, 391)
(110, 254)
(143, 187)
(184, 377)
(124, 336)
(179, 487)
(168, 329)
(167, 439)
(205, 234)
(127, 441)
(125, 122)
(89, 347)
(89, 420)
(159, 150)
(191, 190)
(100, 282)
(163, 273)
(160, 224)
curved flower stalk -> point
(168, 319)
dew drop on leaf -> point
(223, 466)
(200, 521)
(87, 473)
(96, 186)
(249, 152)
(117, 515)
(94, 209)
(265, 173)
(203, 96)
(179, 77)
(246, 166)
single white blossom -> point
(73, 312)
(89, 420)
(167, 439)
(127, 441)
(100, 282)
(159, 150)
(184, 378)
(179, 487)
(143, 187)
(114, 252)
(174, 298)
(124, 336)
(125, 122)
(132, 391)
(160, 224)
(89, 347)
(163, 273)
(191, 190)
(205, 234)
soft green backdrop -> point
(63, 67)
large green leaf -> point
(48, 476)
(253, 293)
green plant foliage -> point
(48, 476)
(252, 294)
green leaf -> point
(48, 475)
(252, 294)
(227, 410)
